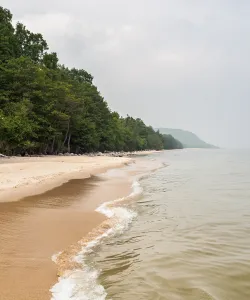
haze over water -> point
(191, 237)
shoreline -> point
(73, 268)
(37, 227)
(75, 274)
(28, 176)
(91, 154)
(32, 176)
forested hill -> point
(48, 108)
(187, 138)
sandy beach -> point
(48, 204)
(21, 177)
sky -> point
(173, 63)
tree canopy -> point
(48, 108)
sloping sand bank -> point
(21, 177)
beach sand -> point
(48, 204)
(21, 177)
(38, 226)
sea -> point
(182, 234)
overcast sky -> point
(173, 63)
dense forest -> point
(47, 108)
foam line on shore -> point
(81, 282)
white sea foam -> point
(82, 284)
(79, 285)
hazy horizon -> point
(172, 63)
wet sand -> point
(36, 227)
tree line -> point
(47, 108)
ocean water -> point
(183, 233)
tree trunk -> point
(46, 148)
(69, 143)
(66, 135)
(52, 146)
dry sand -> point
(21, 177)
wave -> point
(80, 280)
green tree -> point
(7, 41)
(48, 108)
(29, 44)
(169, 142)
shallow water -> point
(191, 236)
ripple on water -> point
(191, 238)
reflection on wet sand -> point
(36, 227)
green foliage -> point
(29, 44)
(6, 35)
(169, 142)
(48, 108)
